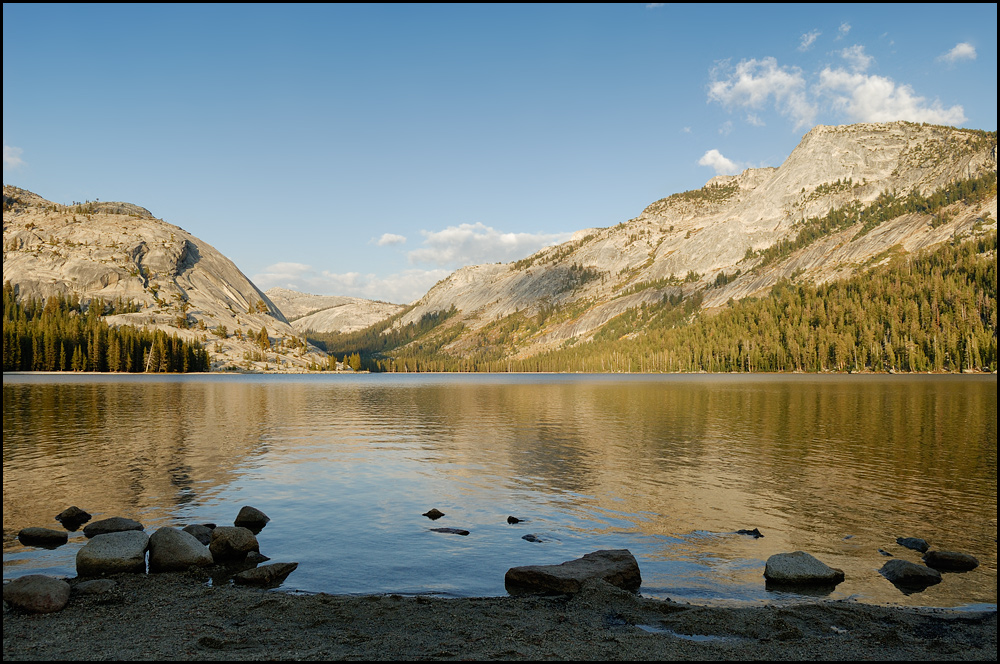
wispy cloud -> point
(962, 51)
(755, 84)
(807, 40)
(12, 156)
(654, 5)
(471, 244)
(721, 164)
(843, 30)
(856, 58)
(389, 239)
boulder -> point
(904, 573)
(615, 566)
(914, 543)
(433, 514)
(951, 561)
(37, 593)
(73, 517)
(251, 518)
(265, 575)
(42, 537)
(172, 550)
(115, 524)
(800, 569)
(113, 553)
(201, 532)
(232, 543)
(94, 587)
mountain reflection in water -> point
(666, 466)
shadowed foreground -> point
(177, 616)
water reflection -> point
(669, 467)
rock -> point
(251, 518)
(200, 531)
(266, 575)
(885, 553)
(905, 573)
(113, 553)
(951, 561)
(755, 533)
(531, 537)
(800, 568)
(451, 531)
(232, 543)
(172, 550)
(94, 587)
(115, 524)
(255, 558)
(37, 593)
(434, 514)
(513, 519)
(615, 566)
(42, 537)
(914, 543)
(73, 517)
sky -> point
(370, 150)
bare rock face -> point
(113, 553)
(800, 568)
(330, 313)
(232, 544)
(37, 593)
(173, 550)
(615, 566)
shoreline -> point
(178, 616)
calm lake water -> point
(666, 466)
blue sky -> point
(370, 150)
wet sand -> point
(180, 617)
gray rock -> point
(200, 531)
(904, 573)
(73, 517)
(94, 587)
(172, 550)
(433, 514)
(615, 566)
(450, 531)
(37, 593)
(914, 543)
(951, 561)
(265, 575)
(755, 533)
(42, 537)
(113, 553)
(256, 558)
(251, 518)
(115, 524)
(800, 568)
(232, 543)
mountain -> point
(330, 313)
(119, 252)
(845, 199)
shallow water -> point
(666, 466)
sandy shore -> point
(180, 617)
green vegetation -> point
(60, 334)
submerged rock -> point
(251, 518)
(46, 537)
(800, 568)
(907, 575)
(113, 553)
(615, 566)
(433, 514)
(450, 531)
(73, 517)
(172, 550)
(115, 524)
(37, 593)
(514, 519)
(265, 575)
(914, 543)
(951, 561)
(232, 543)
(755, 533)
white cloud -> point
(754, 120)
(856, 58)
(721, 164)
(755, 83)
(962, 51)
(843, 30)
(389, 239)
(869, 98)
(726, 128)
(471, 244)
(686, 130)
(12, 156)
(402, 287)
(808, 39)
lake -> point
(666, 466)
